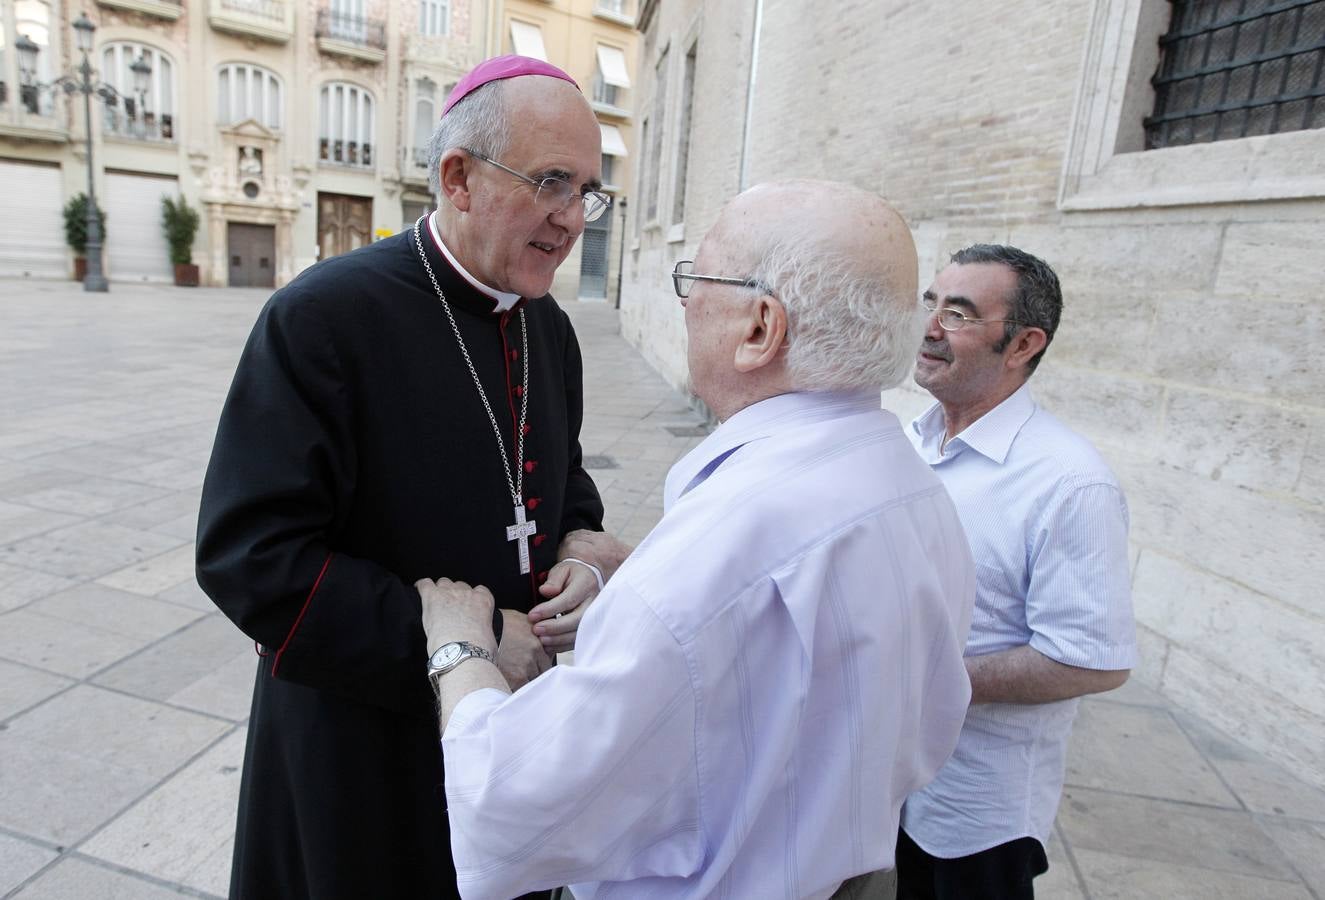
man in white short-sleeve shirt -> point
(1047, 523)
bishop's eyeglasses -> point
(951, 319)
(684, 277)
(555, 194)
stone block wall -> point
(1186, 349)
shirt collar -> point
(502, 299)
(991, 435)
(758, 421)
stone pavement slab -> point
(124, 693)
(19, 859)
(180, 660)
(86, 549)
(1140, 750)
(1114, 877)
(74, 878)
(22, 687)
(184, 831)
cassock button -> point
(528, 428)
(532, 503)
(515, 354)
(539, 539)
(530, 465)
(517, 391)
(542, 577)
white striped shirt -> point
(1047, 523)
(755, 692)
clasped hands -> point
(456, 611)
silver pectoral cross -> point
(521, 531)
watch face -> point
(446, 655)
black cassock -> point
(354, 457)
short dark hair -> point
(1037, 300)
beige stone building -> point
(296, 127)
(1184, 214)
(594, 42)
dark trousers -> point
(1004, 872)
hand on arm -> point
(522, 657)
(572, 584)
(570, 588)
(454, 611)
(1025, 675)
(597, 547)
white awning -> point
(613, 143)
(612, 63)
(527, 40)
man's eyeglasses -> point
(555, 194)
(684, 277)
(954, 319)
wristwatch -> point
(448, 656)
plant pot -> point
(80, 268)
(186, 275)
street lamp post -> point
(86, 84)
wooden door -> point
(252, 255)
(344, 223)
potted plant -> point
(75, 231)
(179, 221)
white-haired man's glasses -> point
(684, 277)
(555, 194)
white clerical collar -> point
(503, 300)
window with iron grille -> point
(345, 125)
(1233, 68)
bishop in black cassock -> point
(354, 457)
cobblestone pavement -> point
(124, 693)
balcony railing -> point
(355, 30)
(262, 9)
(126, 120)
(345, 153)
(267, 20)
(161, 9)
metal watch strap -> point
(463, 650)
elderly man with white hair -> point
(779, 663)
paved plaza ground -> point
(124, 693)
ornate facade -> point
(294, 126)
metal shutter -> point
(136, 248)
(593, 256)
(32, 228)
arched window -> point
(245, 91)
(346, 125)
(434, 17)
(149, 115)
(33, 19)
(425, 112)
